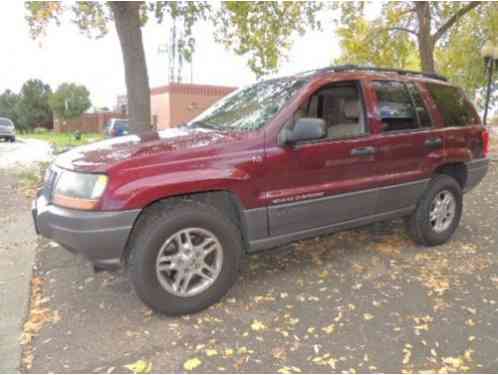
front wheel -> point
(184, 257)
(438, 212)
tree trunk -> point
(426, 51)
(424, 37)
(127, 19)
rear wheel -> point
(184, 257)
(12, 139)
(438, 212)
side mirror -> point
(305, 129)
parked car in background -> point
(276, 162)
(116, 127)
(7, 129)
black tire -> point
(154, 228)
(12, 139)
(419, 226)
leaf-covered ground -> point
(367, 300)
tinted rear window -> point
(452, 105)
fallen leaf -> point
(368, 316)
(211, 352)
(257, 326)
(288, 370)
(139, 367)
(192, 364)
(329, 329)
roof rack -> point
(348, 67)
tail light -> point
(485, 142)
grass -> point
(63, 141)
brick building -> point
(177, 103)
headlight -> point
(79, 190)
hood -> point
(100, 156)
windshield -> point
(5, 122)
(250, 108)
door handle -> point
(363, 151)
(434, 143)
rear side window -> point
(395, 106)
(452, 105)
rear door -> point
(461, 122)
(408, 144)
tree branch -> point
(404, 29)
(454, 18)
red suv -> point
(278, 161)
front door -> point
(326, 182)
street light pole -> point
(490, 68)
(490, 55)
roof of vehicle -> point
(374, 72)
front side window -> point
(250, 108)
(340, 107)
(452, 105)
(395, 106)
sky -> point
(66, 55)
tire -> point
(420, 227)
(159, 225)
(12, 139)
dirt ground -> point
(367, 300)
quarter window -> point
(452, 105)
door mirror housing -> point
(305, 129)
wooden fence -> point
(86, 123)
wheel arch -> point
(457, 170)
(224, 200)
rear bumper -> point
(476, 171)
(99, 236)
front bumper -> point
(99, 236)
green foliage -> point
(262, 31)
(70, 100)
(8, 104)
(32, 109)
(459, 56)
(363, 45)
(390, 40)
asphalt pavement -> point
(367, 300)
